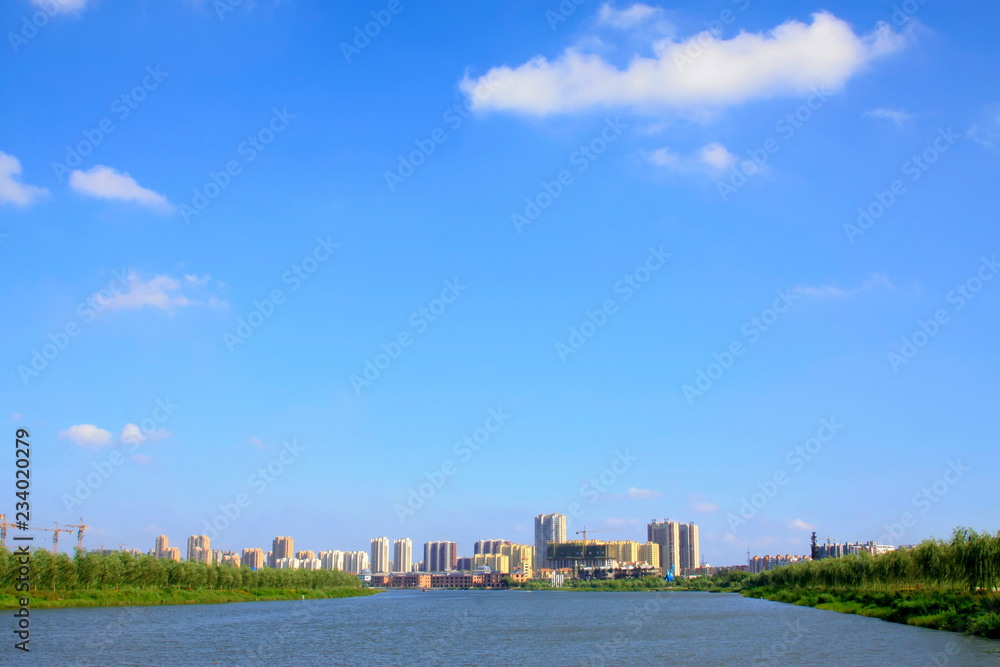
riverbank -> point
(170, 596)
(956, 611)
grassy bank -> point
(170, 596)
(953, 610)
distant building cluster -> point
(830, 549)
(671, 547)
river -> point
(508, 628)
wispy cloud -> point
(87, 435)
(61, 6)
(790, 59)
(106, 183)
(160, 291)
(712, 157)
(697, 502)
(895, 115)
(799, 524)
(258, 443)
(12, 190)
(642, 494)
(638, 14)
(834, 292)
(132, 434)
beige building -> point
(253, 558)
(689, 547)
(649, 553)
(496, 562)
(199, 549)
(162, 544)
(282, 547)
(522, 558)
(402, 554)
(305, 555)
(172, 553)
(380, 555)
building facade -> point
(199, 549)
(549, 529)
(667, 535)
(440, 556)
(253, 558)
(690, 547)
(282, 547)
(402, 554)
(380, 555)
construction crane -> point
(79, 533)
(55, 535)
(602, 530)
(3, 530)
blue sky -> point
(516, 171)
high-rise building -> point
(282, 547)
(549, 528)
(402, 554)
(496, 562)
(666, 533)
(229, 558)
(332, 560)
(690, 549)
(305, 555)
(522, 557)
(162, 544)
(489, 546)
(253, 558)
(440, 556)
(355, 561)
(649, 553)
(199, 549)
(173, 553)
(380, 555)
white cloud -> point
(61, 6)
(132, 434)
(160, 291)
(895, 115)
(12, 190)
(642, 494)
(87, 435)
(799, 524)
(258, 443)
(699, 503)
(791, 59)
(985, 130)
(630, 17)
(106, 183)
(834, 292)
(713, 157)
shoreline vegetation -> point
(939, 585)
(122, 579)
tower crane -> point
(3, 530)
(79, 533)
(600, 530)
(55, 535)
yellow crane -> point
(79, 533)
(600, 530)
(3, 530)
(55, 535)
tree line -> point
(91, 571)
(968, 561)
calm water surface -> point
(490, 628)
